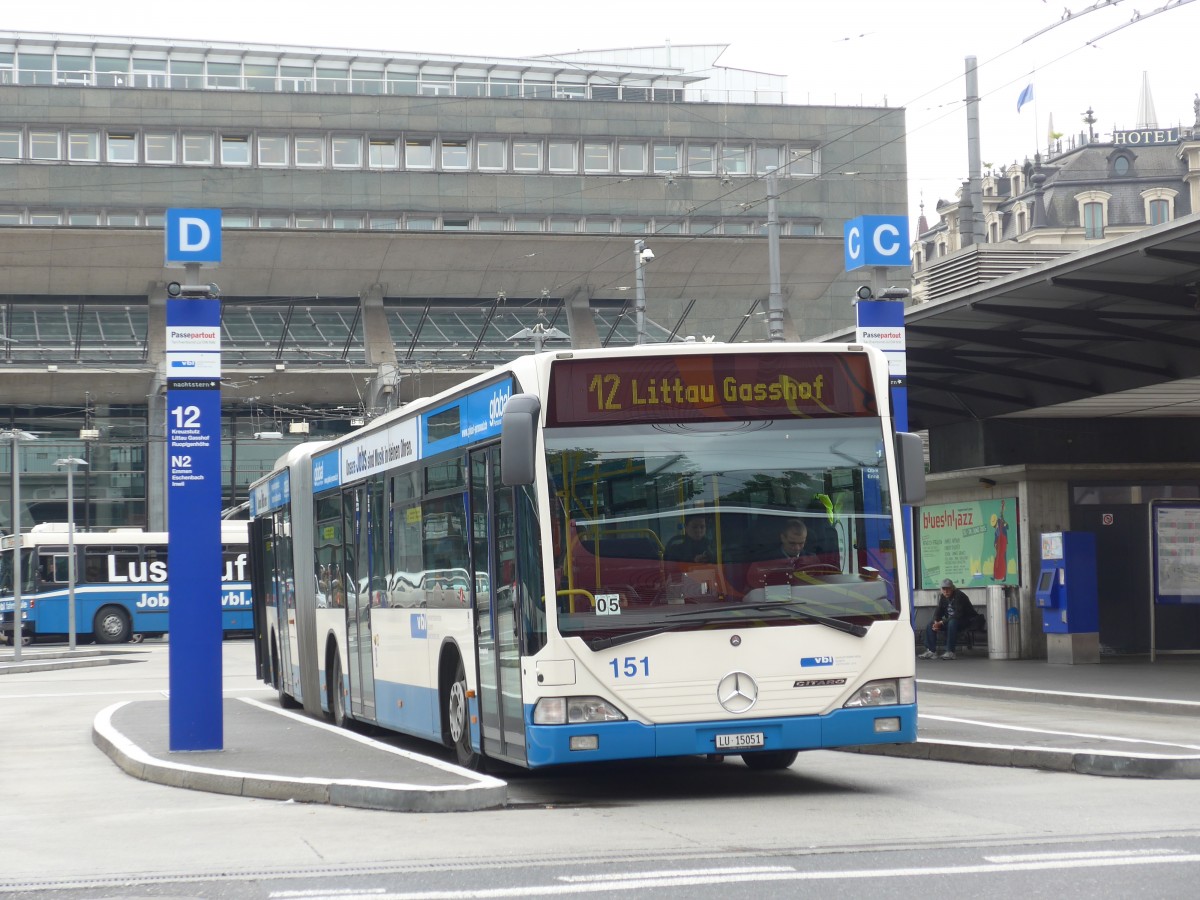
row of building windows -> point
(419, 222)
(112, 68)
(198, 75)
(1158, 205)
(416, 153)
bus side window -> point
(95, 564)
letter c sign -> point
(876, 241)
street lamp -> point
(69, 463)
(16, 435)
(641, 255)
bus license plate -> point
(739, 741)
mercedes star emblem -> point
(737, 692)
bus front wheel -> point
(458, 717)
(111, 626)
(337, 696)
(769, 760)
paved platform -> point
(277, 754)
(1120, 717)
(49, 658)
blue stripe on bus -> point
(408, 708)
(550, 744)
(51, 614)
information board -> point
(1175, 545)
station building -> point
(392, 222)
(1055, 366)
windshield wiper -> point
(836, 624)
(628, 637)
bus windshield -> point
(28, 575)
(675, 526)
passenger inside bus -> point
(789, 562)
(692, 569)
(694, 545)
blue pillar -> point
(194, 540)
(880, 323)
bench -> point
(975, 633)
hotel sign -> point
(1146, 136)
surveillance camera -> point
(894, 293)
(865, 293)
(192, 291)
(647, 255)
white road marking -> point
(640, 883)
(1079, 854)
(478, 777)
(676, 873)
(1071, 734)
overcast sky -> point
(852, 52)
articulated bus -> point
(493, 568)
(122, 583)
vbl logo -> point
(420, 625)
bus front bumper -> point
(552, 744)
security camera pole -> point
(193, 361)
(775, 297)
(640, 256)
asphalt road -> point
(837, 824)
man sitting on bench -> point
(954, 614)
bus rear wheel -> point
(111, 626)
(458, 718)
(769, 760)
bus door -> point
(493, 558)
(260, 537)
(358, 602)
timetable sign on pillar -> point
(193, 373)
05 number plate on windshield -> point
(741, 741)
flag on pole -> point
(1026, 96)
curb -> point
(54, 663)
(1079, 762)
(485, 793)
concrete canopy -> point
(1113, 331)
(262, 263)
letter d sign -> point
(193, 236)
(876, 241)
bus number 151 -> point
(630, 666)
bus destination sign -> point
(700, 387)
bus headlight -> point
(574, 711)
(885, 692)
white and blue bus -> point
(496, 568)
(122, 582)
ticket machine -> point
(1066, 595)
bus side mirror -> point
(518, 437)
(910, 466)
